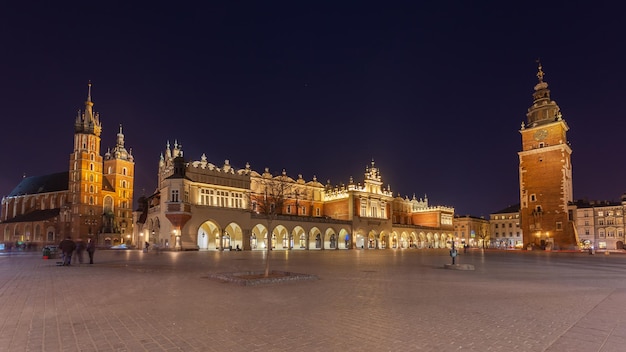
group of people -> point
(68, 247)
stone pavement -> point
(364, 300)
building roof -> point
(583, 203)
(37, 215)
(42, 184)
(509, 209)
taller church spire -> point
(88, 121)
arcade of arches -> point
(214, 236)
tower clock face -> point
(541, 134)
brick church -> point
(92, 199)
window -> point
(174, 195)
(559, 226)
(317, 212)
(303, 210)
(600, 221)
(533, 198)
(288, 209)
(124, 171)
(204, 197)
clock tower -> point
(545, 174)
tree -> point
(268, 197)
(483, 233)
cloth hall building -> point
(201, 206)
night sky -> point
(434, 92)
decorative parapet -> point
(434, 208)
(343, 191)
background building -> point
(506, 232)
(473, 231)
(600, 224)
(92, 199)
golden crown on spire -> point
(540, 73)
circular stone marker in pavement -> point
(458, 266)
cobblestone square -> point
(364, 300)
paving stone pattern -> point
(363, 300)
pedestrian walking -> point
(67, 247)
(80, 248)
(91, 248)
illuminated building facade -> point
(545, 174)
(199, 205)
(93, 199)
(472, 231)
(600, 224)
(505, 228)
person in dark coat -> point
(80, 248)
(67, 246)
(91, 248)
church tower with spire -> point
(119, 171)
(545, 174)
(100, 189)
(85, 172)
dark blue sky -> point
(434, 92)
